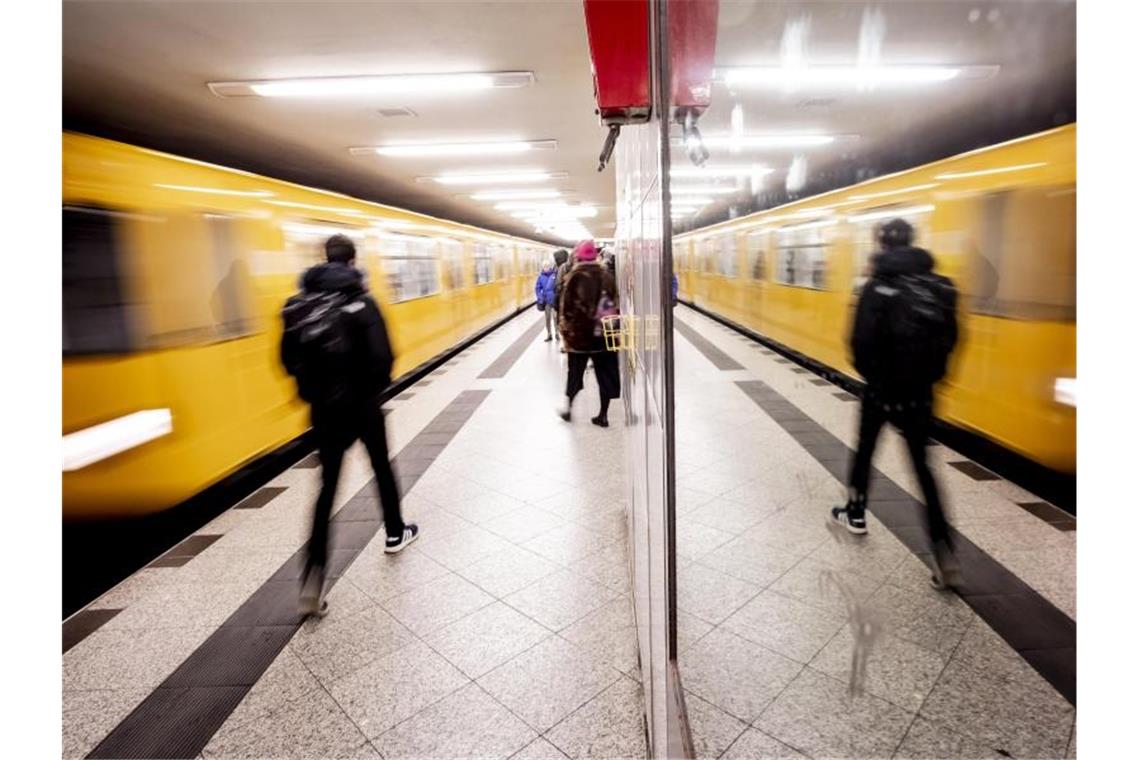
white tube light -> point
(217, 190)
(96, 443)
(515, 195)
(311, 207)
(891, 212)
(848, 76)
(317, 230)
(500, 178)
(322, 87)
(768, 141)
(706, 172)
(489, 148)
(1065, 391)
(884, 194)
(700, 190)
(548, 209)
(984, 172)
(689, 200)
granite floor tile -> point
(332, 649)
(748, 559)
(711, 595)
(508, 570)
(711, 728)
(611, 573)
(822, 586)
(485, 507)
(539, 749)
(816, 715)
(695, 539)
(486, 639)
(568, 544)
(558, 600)
(609, 634)
(312, 726)
(396, 687)
(734, 674)
(462, 548)
(465, 724)
(285, 680)
(729, 516)
(88, 716)
(898, 671)
(757, 745)
(183, 606)
(133, 588)
(608, 727)
(128, 659)
(927, 740)
(437, 603)
(521, 525)
(548, 682)
(384, 576)
(791, 628)
(932, 619)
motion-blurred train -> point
(174, 273)
(1000, 221)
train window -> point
(410, 266)
(867, 237)
(482, 263)
(95, 307)
(502, 257)
(453, 263)
(726, 254)
(756, 245)
(1023, 255)
(229, 300)
(802, 259)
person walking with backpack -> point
(562, 265)
(544, 296)
(336, 346)
(905, 328)
(589, 293)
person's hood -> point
(547, 268)
(899, 261)
(332, 277)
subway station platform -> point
(507, 629)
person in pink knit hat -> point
(588, 294)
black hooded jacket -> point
(372, 358)
(875, 358)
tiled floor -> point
(506, 629)
(769, 589)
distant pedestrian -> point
(589, 293)
(336, 346)
(905, 328)
(544, 295)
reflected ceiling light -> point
(691, 200)
(489, 148)
(891, 212)
(322, 87)
(983, 172)
(217, 191)
(912, 188)
(768, 141)
(708, 172)
(515, 195)
(98, 442)
(310, 207)
(548, 209)
(701, 190)
(499, 178)
(848, 76)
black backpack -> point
(317, 346)
(921, 327)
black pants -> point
(913, 421)
(336, 429)
(605, 370)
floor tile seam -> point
(710, 705)
(621, 677)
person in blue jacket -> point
(544, 294)
(674, 290)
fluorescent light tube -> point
(489, 148)
(392, 84)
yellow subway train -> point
(1000, 221)
(174, 273)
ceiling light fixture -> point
(515, 195)
(416, 84)
(676, 190)
(983, 172)
(548, 209)
(217, 191)
(708, 172)
(499, 178)
(848, 76)
(488, 148)
(770, 141)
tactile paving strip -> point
(719, 358)
(1043, 635)
(183, 713)
(502, 365)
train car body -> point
(174, 273)
(1000, 221)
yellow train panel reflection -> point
(174, 272)
(1000, 221)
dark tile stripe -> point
(308, 463)
(179, 717)
(502, 365)
(261, 497)
(975, 471)
(719, 358)
(192, 546)
(1045, 511)
(1043, 635)
(84, 623)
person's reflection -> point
(227, 303)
